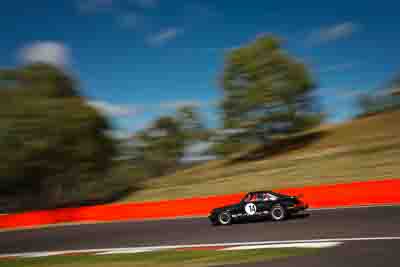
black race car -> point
(259, 204)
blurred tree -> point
(54, 148)
(394, 86)
(164, 145)
(266, 91)
(368, 104)
(395, 81)
(381, 99)
(40, 80)
(191, 124)
(263, 85)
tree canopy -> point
(39, 80)
(164, 145)
(191, 124)
(381, 99)
(265, 89)
(54, 148)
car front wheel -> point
(225, 218)
(278, 213)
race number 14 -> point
(250, 209)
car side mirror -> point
(300, 196)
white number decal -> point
(250, 209)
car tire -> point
(225, 218)
(278, 213)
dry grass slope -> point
(362, 149)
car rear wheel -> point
(278, 213)
(225, 218)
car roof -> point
(260, 192)
(269, 192)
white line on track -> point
(293, 245)
(129, 251)
(254, 245)
(51, 253)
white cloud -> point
(114, 109)
(128, 21)
(122, 110)
(90, 6)
(333, 33)
(164, 36)
(180, 103)
(46, 52)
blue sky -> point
(137, 59)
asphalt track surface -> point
(340, 223)
(350, 254)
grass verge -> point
(163, 259)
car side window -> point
(268, 197)
(256, 197)
(259, 197)
(271, 197)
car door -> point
(261, 205)
(270, 200)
